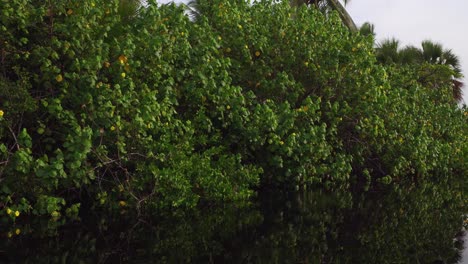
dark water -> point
(412, 226)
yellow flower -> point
(112, 128)
(123, 59)
(93, 4)
(281, 142)
(9, 234)
(228, 107)
(17, 231)
(122, 203)
(257, 53)
(17, 213)
(59, 78)
(123, 74)
(9, 211)
(1, 113)
(239, 26)
(220, 38)
(306, 63)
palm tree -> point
(367, 29)
(129, 8)
(389, 52)
(331, 5)
(435, 54)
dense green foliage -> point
(153, 110)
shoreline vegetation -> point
(154, 111)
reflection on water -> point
(411, 226)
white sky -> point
(412, 21)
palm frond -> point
(367, 29)
(410, 55)
(193, 10)
(452, 60)
(432, 52)
(457, 87)
(387, 51)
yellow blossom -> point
(112, 128)
(9, 211)
(1, 113)
(281, 142)
(228, 107)
(17, 213)
(306, 63)
(123, 59)
(239, 26)
(59, 78)
(123, 74)
(9, 234)
(122, 203)
(17, 231)
(257, 53)
(93, 4)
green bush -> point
(153, 110)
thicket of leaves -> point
(157, 111)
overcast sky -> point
(412, 21)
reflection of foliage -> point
(407, 226)
(412, 226)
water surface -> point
(307, 226)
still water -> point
(420, 225)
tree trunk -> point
(344, 15)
